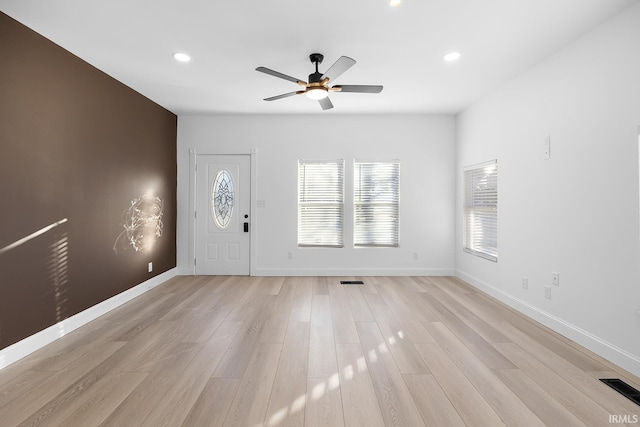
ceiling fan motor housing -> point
(315, 77)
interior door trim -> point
(193, 158)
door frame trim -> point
(193, 159)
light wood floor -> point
(276, 351)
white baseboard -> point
(354, 272)
(586, 339)
(22, 348)
(184, 271)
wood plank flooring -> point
(307, 351)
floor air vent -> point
(623, 388)
(351, 282)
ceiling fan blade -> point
(325, 103)
(358, 88)
(280, 75)
(284, 95)
(340, 66)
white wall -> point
(424, 145)
(576, 213)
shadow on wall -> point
(32, 236)
(59, 273)
(57, 265)
(142, 227)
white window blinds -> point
(481, 210)
(320, 203)
(376, 195)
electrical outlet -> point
(547, 292)
(555, 278)
(289, 255)
(415, 255)
(150, 267)
(525, 283)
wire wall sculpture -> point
(142, 224)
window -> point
(481, 210)
(376, 200)
(320, 203)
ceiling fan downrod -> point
(316, 58)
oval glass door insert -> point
(222, 197)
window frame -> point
(387, 204)
(310, 200)
(480, 210)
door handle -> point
(246, 227)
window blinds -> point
(481, 210)
(376, 204)
(320, 203)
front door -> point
(223, 203)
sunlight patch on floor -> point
(347, 372)
(277, 417)
(318, 391)
(298, 404)
(332, 383)
(362, 364)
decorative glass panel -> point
(222, 198)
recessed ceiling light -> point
(181, 57)
(452, 56)
(394, 3)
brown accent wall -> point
(76, 148)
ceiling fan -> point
(318, 86)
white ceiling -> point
(400, 48)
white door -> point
(222, 221)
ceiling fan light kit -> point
(318, 86)
(181, 57)
(317, 93)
